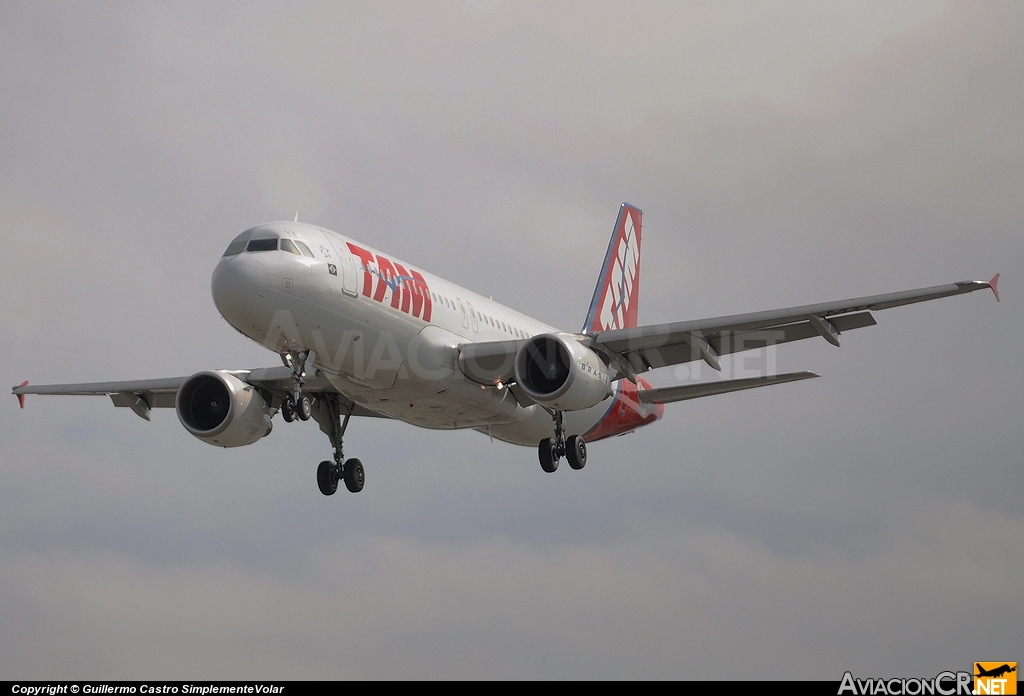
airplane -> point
(362, 333)
(994, 672)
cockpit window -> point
(304, 249)
(235, 248)
(262, 245)
(289, 246)
(237, 245)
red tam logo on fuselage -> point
(409, 290)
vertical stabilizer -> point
(616, 296)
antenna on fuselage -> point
(296, 216)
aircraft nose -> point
(238, 282)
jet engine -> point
(557, 371)
(222, 410)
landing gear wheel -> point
(354, 475)
(576, 452)
(548, 455)
(288, 410)
(326, 477)
(304, 408)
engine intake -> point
(557, 371)
(222, 410)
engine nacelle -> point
(222, 410)
(557, 371)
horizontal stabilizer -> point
(667, 395)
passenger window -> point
(262, 245)
(289, 246)
(304, 249)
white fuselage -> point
(386, 334)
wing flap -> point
(737, 342)
(153, 399)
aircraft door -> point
(349, 275)
(465, 317)
(472, 315)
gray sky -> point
(783, 153)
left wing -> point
(636, 350)
(629, 352)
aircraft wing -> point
(635, 350)
(143, 395)
(630, 352)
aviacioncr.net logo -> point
(995, 678)
(944, 684)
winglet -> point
(21, 397)
(994, 284)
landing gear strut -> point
(552, 449)
(330, 472)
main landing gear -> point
(552, 449)
(330, 472)
(298, 405)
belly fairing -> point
(617, 415)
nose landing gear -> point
(296, 404)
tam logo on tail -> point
(614, 305)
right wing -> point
(143, 395)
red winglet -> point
(21, 397)
(994, 284)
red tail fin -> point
(616, 297)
